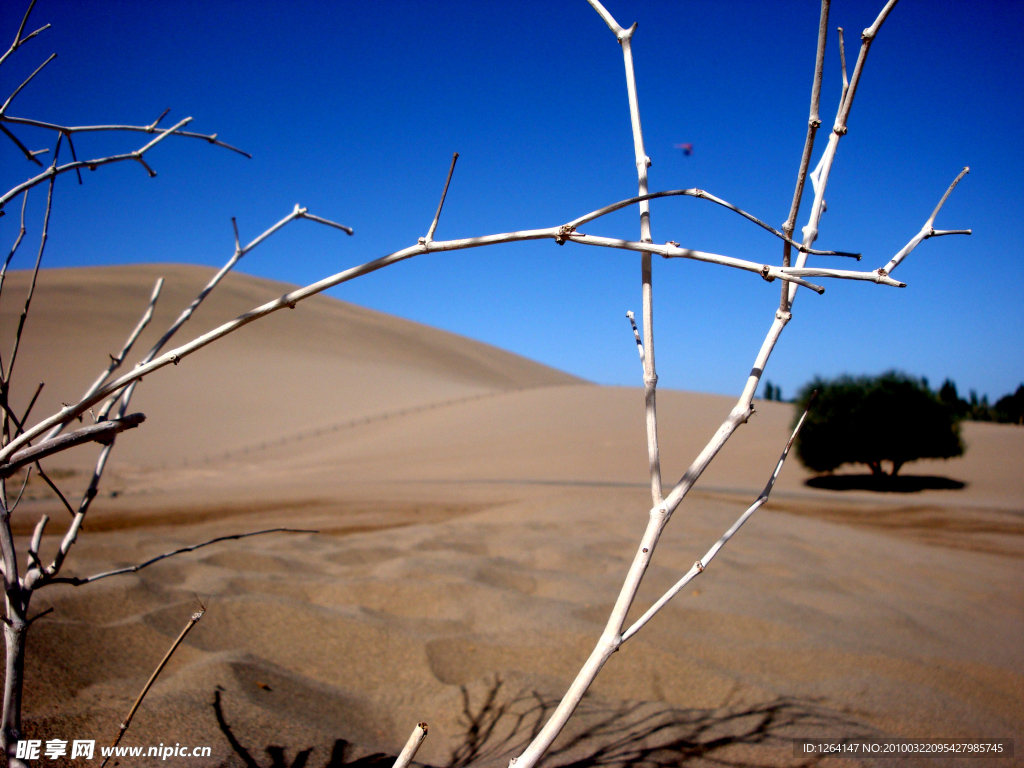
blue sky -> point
(354, 109)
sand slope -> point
(322, 363)
(476, 513)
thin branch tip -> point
(437, 216)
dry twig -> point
(152, 679)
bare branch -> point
(117, 360)
(38, 616)
(55, 489)
(126, 395)
(14, 248)
(703, 563)
(74, 156)
(636, 335)
(25, 150)
(419, 733)
(842, 61)
(20, 427)
(28, 80)
(292, 298)
(942, 202)
(813, 123)
(79, 518)
(607, 18)
(867, 37)
(440, 205)
(152, 679)
(304, 215)
(5, 378)
(18, 39)
(643, 162)
(768, 272)
(24, 485)
(70, 129)
(55, 170)
(927, 230)
(700, 194)
(33, 545)
(185, 315)
(21, 27)
(8, 554)
(28, 408)
(94, 433)
(297, 213)
(152, 126)
(607, 644)
(77, 582)
(611, 638)
(824, 167)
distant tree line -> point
(1008, 409)
(771, 391)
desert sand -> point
(476, 512)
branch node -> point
(699, 566)
(151, 128)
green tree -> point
(870, 419)
(1010, 408)
(772, 391)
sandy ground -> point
(475, 514)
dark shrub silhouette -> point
(1011, 407)
(871, 419)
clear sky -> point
(354, 109)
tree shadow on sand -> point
(641, 734)
(339, 753)
(885, 483)
(646, 734)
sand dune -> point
(476, 513)
(324, 363)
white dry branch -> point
(114, 393)
(23, 454)
(419, 733)
(612, 637)
(699, 566)
(193, 620)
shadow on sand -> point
(642, 734)
(885, 483)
